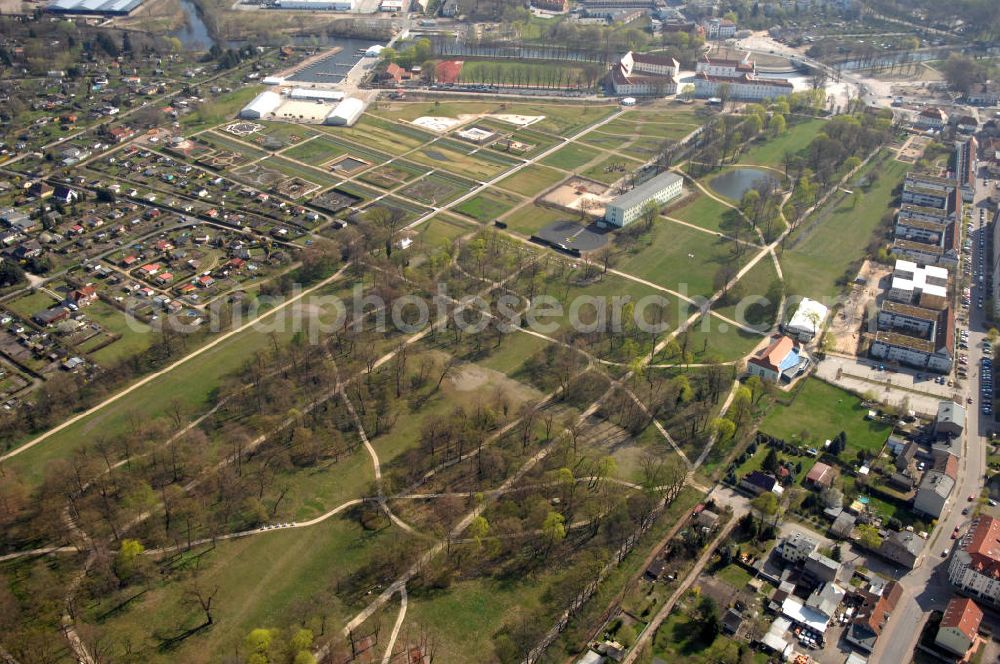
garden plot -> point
(390, 176)
(260, 176)
(437, 189)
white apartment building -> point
(974, 569)
(658, 191)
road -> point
(926, 588)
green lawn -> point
(571, 157)
(316, 151)
(771, 152)
(530, 218)
(706, 212)
(714, 339)
(220, 108)
(135, 336)
(754, 284)
(833, 239)
(441, 230)
(259, 579)
(28, 305)
(821, 411)
(294, 169)
(612, 169)
(488, 205)
(678, 641)
(682, 259)
(734, 575)
(531, 180)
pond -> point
(734, 183)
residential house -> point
(797, 548)
(757, 483)
(781, 359)
(950, 420)
(820, 475)
(820, 569)
(826, 598)
(903, 547)
(82, 296)
(959, 626)
(936, 486)
(872, 616)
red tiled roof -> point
(885, 604)
(818, 472)
(963, 614)
(771, 357)
(984, 546)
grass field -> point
(482, 166)
(294, 169)
(755, 283)
(222, 107)
(681, 258)
(135, 336)
(711, 339)
(441, 230)
(316, 151)
(530, 218)
(437, 189)
(559, 118)
(678, 641)
(392, 137)
(532, 180)
(488, 205)
(826, 244)
(389, 176)
(225, 142)
(772, 151)
(258, 578)
(28, 305)
(704, 211)
(612, 169)
(821, 411)
(571, 157)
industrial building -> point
(316, 5)
(656, 191)
(346, 113)
(316, 95)
(109, 7)
(262, 105)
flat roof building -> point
(656, 191)
(808, 319)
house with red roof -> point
(83, 296)
(959, 626)
(872, 616)
(781, 359)
(974, 569)
(820, 475)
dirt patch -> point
(847, 321)
(473, 377)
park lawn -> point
(259, 579)
(822, 411)
(771, 151)
(317, 490)
(191, 384)
(225, 142)
(315, 152)
(463, 619)
(816, 258)
(531, 180)
(481, 166)
(134, 335)
(530, 218)
(681, 259)
(564, 119)
(754, 284)
(28, 305)
(659, 131)
(297, 170)
(609, 286)
(571, 157)
(222, 107)
(612, 169)
(513, 353)
(488, 205)
(385, 135)
(437, 189)
(441, 230)
(704, 211)
(713, 339)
